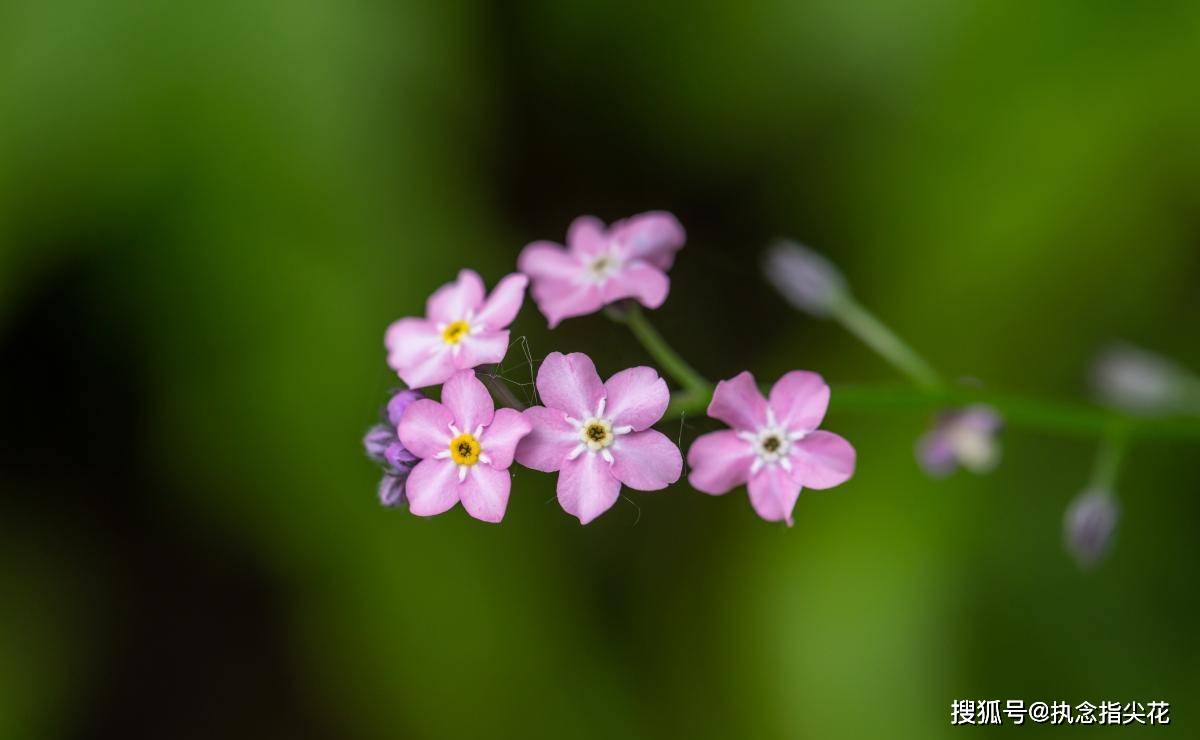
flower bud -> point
(391, 490)
(1088, 525)
(377, 440)
(383, 446)
(398, 403)
(1134, 379)
(806, 279)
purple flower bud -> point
(966, 438)
(398, 403)
(1088, 525)
(1133, 379)
(391, 490)
(806, 279)
(384, 447)
(377, 440)
(398, 457)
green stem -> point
(1108, 459)
(693, 382)
(1019, 411)
(875, 334)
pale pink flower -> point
(774, 446)
(597, 435)
(964, 437)
(466, 446)
(461, 330)
(601, 266)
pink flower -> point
(597, 435)
(462, 330)
(601, 266)
(774, 445)
(465, 446)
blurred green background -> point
(210, 213)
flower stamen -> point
(465, 450)
(455, 332)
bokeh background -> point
(209, 213)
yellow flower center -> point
(455, 331)
(465, 449)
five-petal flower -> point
(774, 445)
(597, 435)
(461, 330)
(466, 446)
(601, 266)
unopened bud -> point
(1088, 525)
(1134, 379)
(806, 279)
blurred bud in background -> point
(1088, 525)
(806, 279)
(1134, 379)
(383, 446)
(964, 438)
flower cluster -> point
(597, 435)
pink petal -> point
(739, 403)
(551, 438)
(500, 438)
(452, 301)
(468, 400)
(799, 400)
(562, 299)
(424, 430)
(416, 351)
(636, 397)
(484, 492)
(484, 348)
(432, 487)
(822, 460)
(655, 237)
(547, 260)
(587, 235)
(570, 383)
(431, 370)
(646, 461)
(409, 341)
(586, 487)
(773, 494)
(640, 280)
(504, 302)
(719, 462)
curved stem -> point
(693, 382)
(1017, 410)
(875, 334)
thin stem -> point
(875, 334)
(693, 382)
(1108, 459)
(1019, 411)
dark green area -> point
(209, 214)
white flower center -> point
(596, 434)
(772, 444)
(603, 266)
